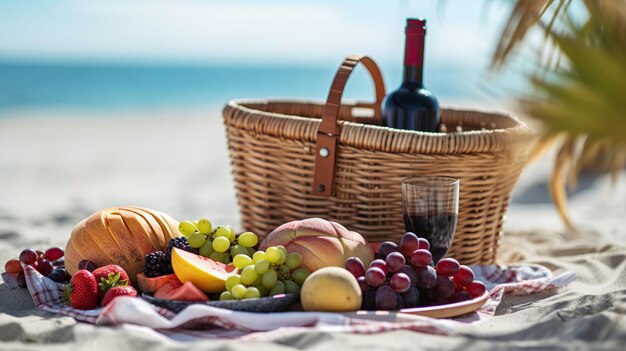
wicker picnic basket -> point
(298, 159)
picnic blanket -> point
(215, 322)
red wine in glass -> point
(437, 228)
(430, 206)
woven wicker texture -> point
(272, 149)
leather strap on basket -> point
(326, 143)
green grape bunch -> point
(221, 243)
(267, 273)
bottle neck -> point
(413, 75)
(414, 55)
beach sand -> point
(58, 167)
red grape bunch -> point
(50, 263)
(405, 276)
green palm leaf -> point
(584, 98)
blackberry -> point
(167, 269)
(178, 242)
(155, 264)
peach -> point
(321, 243)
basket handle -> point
(329, 130)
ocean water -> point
(46, 86)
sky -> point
(244, 32)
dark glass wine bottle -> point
(412, 106)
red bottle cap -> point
(414, 50)
(416, 26)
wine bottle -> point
(412, 106)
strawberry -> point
(108, 270)
(109, 276)
(116, 291)
(82, 291)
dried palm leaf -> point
(542, 144)
(562, 163)
(524, 16)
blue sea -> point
(118, 86)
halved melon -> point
(151, 285)
(178, 291)
(205, 273)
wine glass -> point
(430, 207)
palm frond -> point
(587, 98)
(562, 163)
(524, 16)
(542, 144)
(581, 101)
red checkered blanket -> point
(205, 321)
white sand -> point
(61, 167)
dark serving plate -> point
(277, 303)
